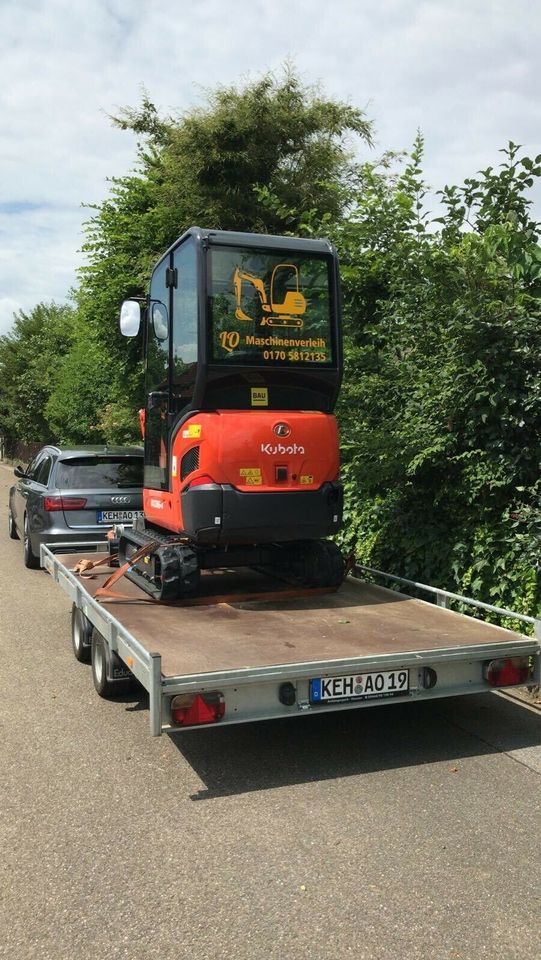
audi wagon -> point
(75, 495)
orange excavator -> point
(242, 371)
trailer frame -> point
(253, 693)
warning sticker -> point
(306, 478)
(260, 396)
(174, 468)
(192, 432)
(251, 476)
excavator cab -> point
(242, 371)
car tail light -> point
(190, 709)
(199, 481)
(63, 503)
(507, 673)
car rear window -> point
(82, 473)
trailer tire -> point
(104, 661)
(12, 529)
(104, 687)
(81, 635)
(30, 559)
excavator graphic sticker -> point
(283, 306)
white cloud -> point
(465, 72)
(7, 308)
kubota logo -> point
(278, 449)
(282, 429)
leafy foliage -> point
(441, 406)
(29, 357)
(214, 166)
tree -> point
(250, 159)
(441, 406)
(29, 359)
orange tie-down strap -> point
(84, 568)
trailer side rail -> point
(442, 596)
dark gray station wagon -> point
(66, 495)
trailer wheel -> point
(12, 529)
(104, 687)
(81, 635)
(105, 664)
(30, 559)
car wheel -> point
(30, 559)
(81, 635)
(12, 529)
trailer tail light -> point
(51, 504)
(190, 709)
(507, 673)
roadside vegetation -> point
(440, 411)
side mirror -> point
(130, 318)
(19, 472)
(160, 320)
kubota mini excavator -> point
(241, 447)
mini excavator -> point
(242, 371)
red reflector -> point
(191, 709)
(507, 673)
(63, 503)
(199, 481)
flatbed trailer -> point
(241, 657)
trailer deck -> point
(246, 649)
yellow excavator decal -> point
(286, 313)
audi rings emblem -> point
(120, 499)
(282, 429)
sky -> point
(466, 72)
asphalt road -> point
(400, 832)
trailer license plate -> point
(118, 516)
(360, 686)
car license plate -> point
(118, 516)
(360, 686)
